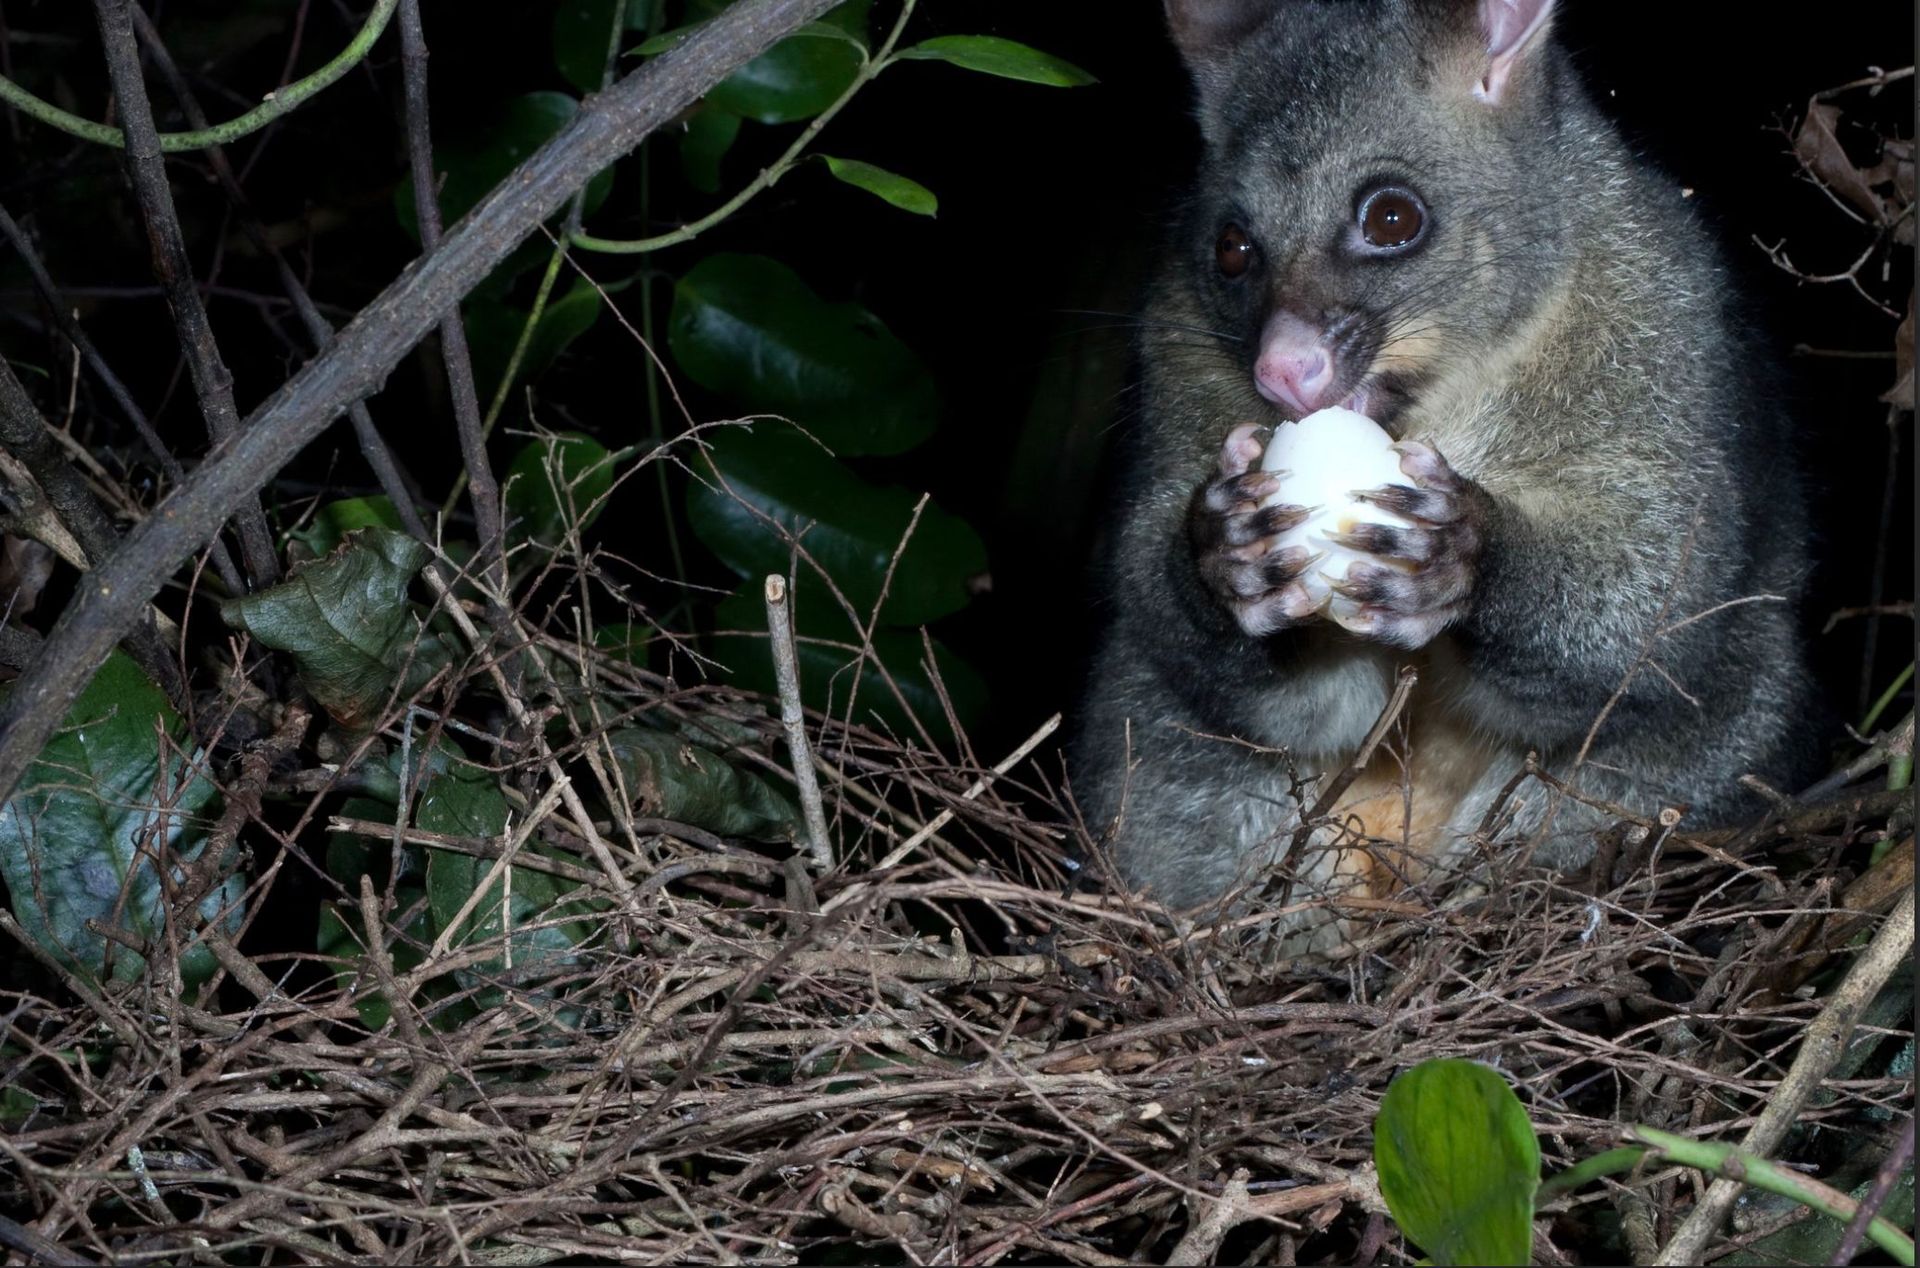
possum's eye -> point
(1391, 218)
(1233, 251)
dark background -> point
(1050, 206)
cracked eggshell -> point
(1323, 460)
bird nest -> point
(951, 1047)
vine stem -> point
(1825, 1041)
(281, 101)
(870, 68)
(1737, 1167)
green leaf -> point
(626, 641)
(849, 527)
(991, 55)
(332, 522)
(748, 328)
(346, 622)
(1458, 1163)
(548, 921)
(654, 45)
(827, 648)
(802, 74)
(907, 195)
(494, 326)
(669, 777)
(471, 166)
(580, 32)
(709, 134)
(558, 481)
(79, 835)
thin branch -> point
(1883, 1181)
(146, 165)
(280, 102)
(786, 674)
(606, 127)
(373, 447)
(454, 353)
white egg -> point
(1324, 459)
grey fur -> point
(1588, 372)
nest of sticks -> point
(954, 1046)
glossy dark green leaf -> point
(346, 622)
(557, 481)
(850, 528)
(625, 641)
(549, 920)
(798, 77)
(77, 838)
(669, 777)
(991, 55)
(827, 648)
(748, 328)
(704, 142)
(1458, 1163)
(332, 522)
(494, 326)
(907, 195)
(473, 164)
(580, 32)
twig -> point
(1886, 749)
(1825, 1041)
(50, 296)
(1330, 797)
(921, 835)
(786, 673)
(38, 1249)
(146, 165)
(1883, 1181)
(26, 437)
(607, 126)
(454, 355)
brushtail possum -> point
(1410, 209)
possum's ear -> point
(1513, 29)
(1204, 28)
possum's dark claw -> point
(1233, 539)
(1419, 579)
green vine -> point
(280, 102)
(870, 68)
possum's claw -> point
(1418, 579)
(1233, 538)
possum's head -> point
(1387, 193)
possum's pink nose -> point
(1295, 369)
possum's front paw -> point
(1233, 540)
(1425, 573)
